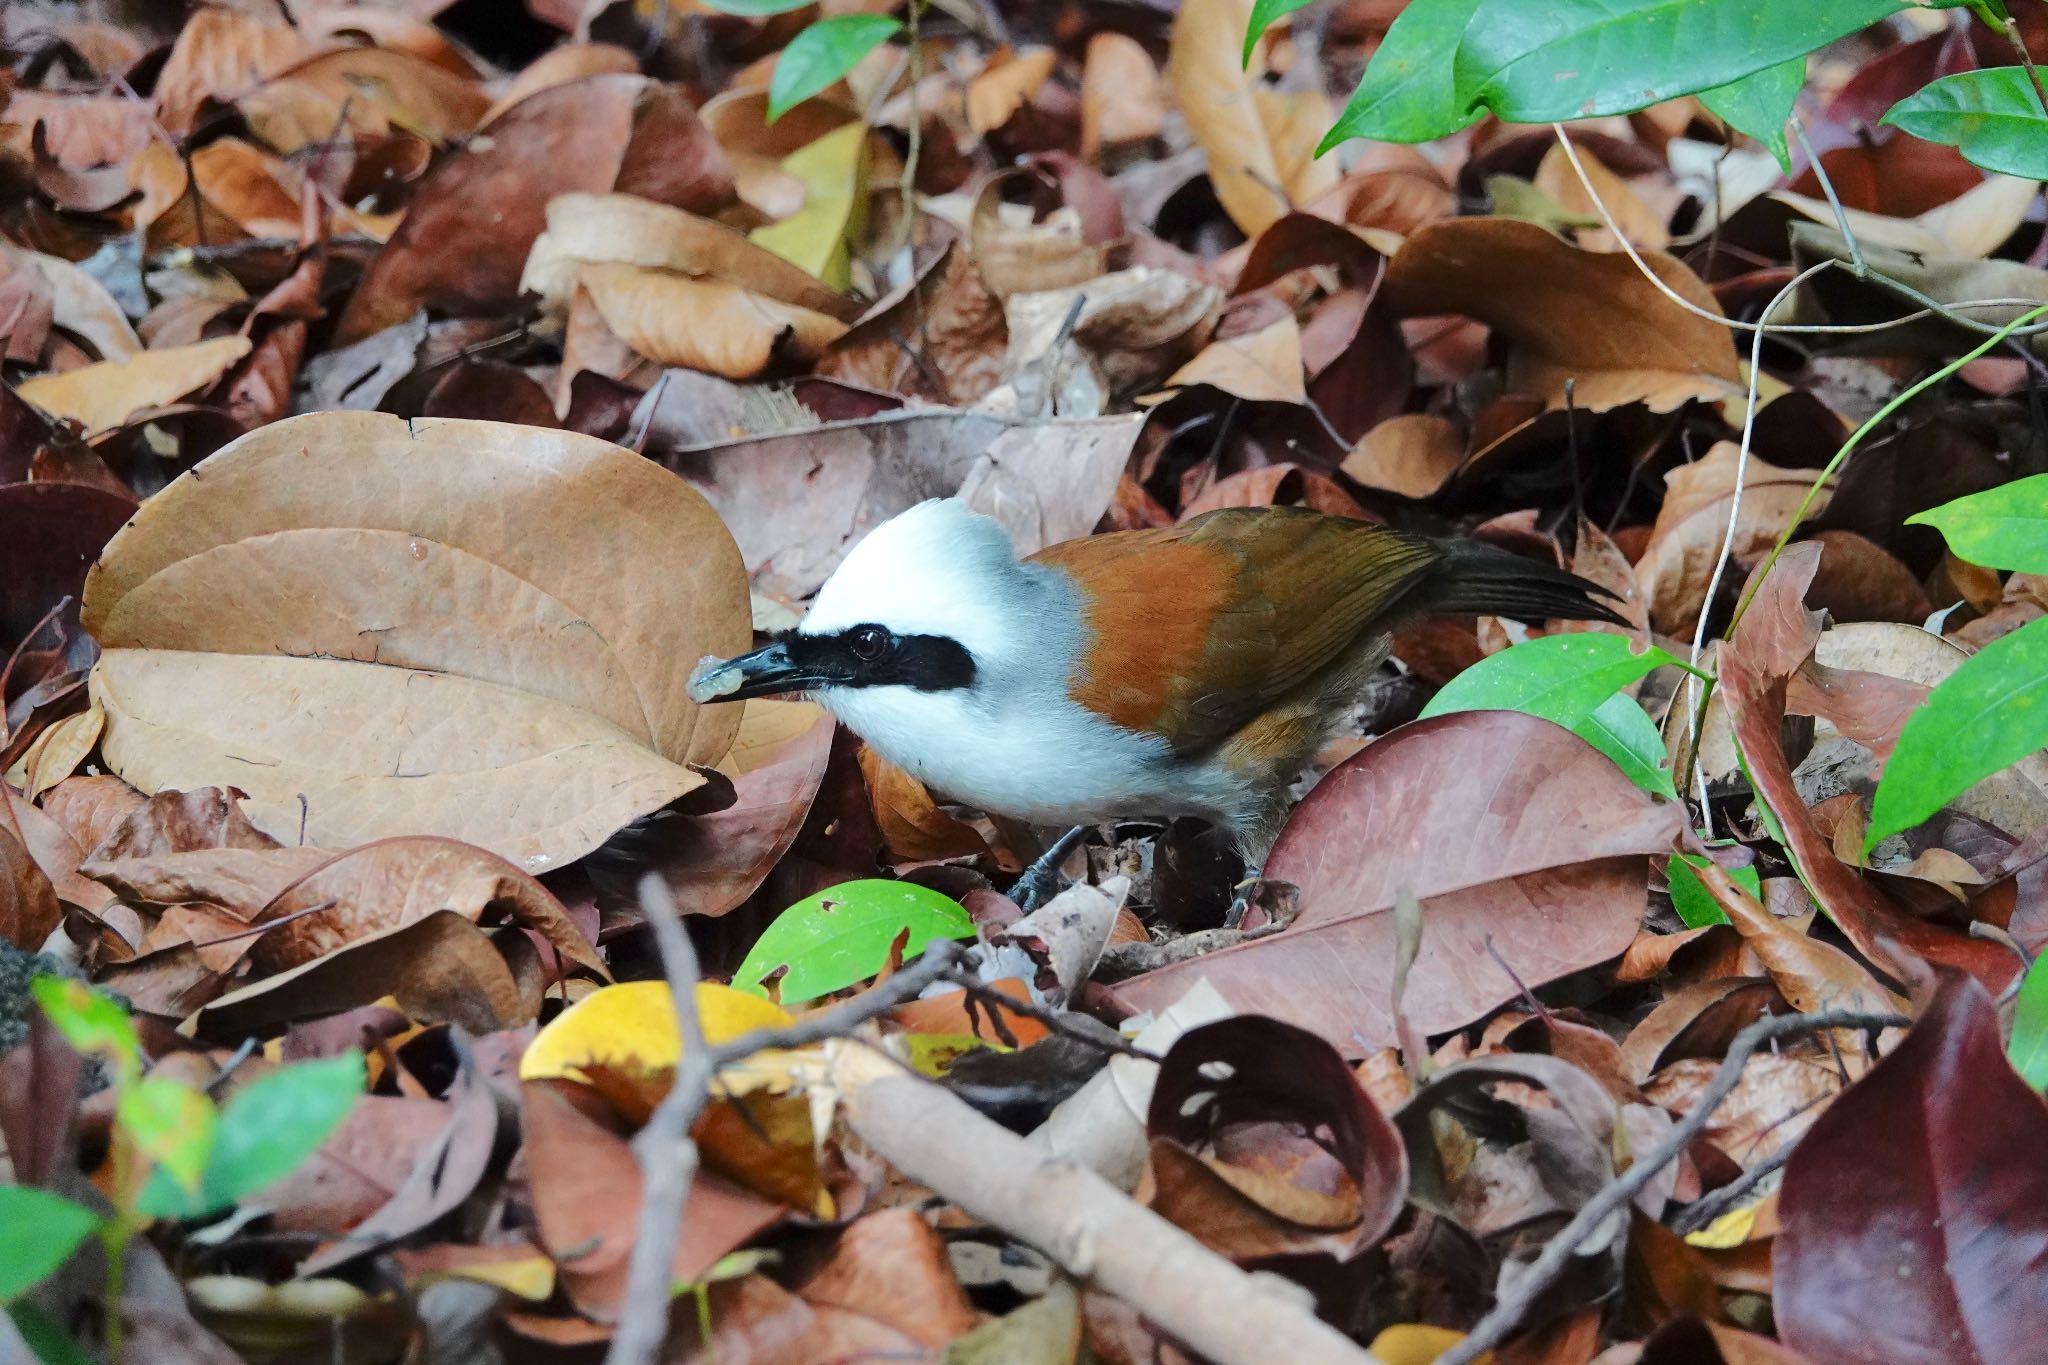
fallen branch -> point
(1080, 1220)
(667, 1155)
(1619, 1192)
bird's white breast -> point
(1045, 763)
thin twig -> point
(2019, 45)
(1857, 265)
(1928, 307)
(995, 1001)
(1619, 1192)
(1708, 1207)
(667, 1156)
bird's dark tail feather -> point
(1479, 578)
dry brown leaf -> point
(1643, 227)
(101, 397)
(375, 89)
(585, 229)
(560, 65)
(1261, 366)
(1587, 316)
(80, 304)
(1412, 455)
(1121, 99)
(475, 678)
(1046, 481)
(1260, 142)
(221, 53)
(911, 823)
(1018, 254)
(706, 325)
(1005, 84)
(1678, 563)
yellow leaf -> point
(1412, 1343)
(1003, 87)
(1731, 1229)
(103, 396)
(933, 1054)
(834, 174)
(635, 1022)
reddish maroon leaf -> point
(1914, 1215)
(1506, 827)
(50, 533)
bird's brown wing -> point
(1198, 628)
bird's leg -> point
(1038, 883)
(1246, 890)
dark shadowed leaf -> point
(1914, 1214)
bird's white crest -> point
(936, 569)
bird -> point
(1187, 670)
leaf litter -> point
(398, 409)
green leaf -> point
(47, 1340)
(2029, 1046)
(1408, 94)
(2001, 528)
(1760, 104)
(270, 1125)
(756, 9)
(821, 54)
(1993, 117)
(38, 1233)
(171, 1124)
(1689, 895)
(1988, 714)
(842, 936)
(1573, 680)
(90, 1022)
(1571, 59)
(1264, 14)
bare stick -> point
(1091, 1228)
(2019, 45)
(1619, 1192)
(667, 1155)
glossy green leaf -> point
(756, 9)
(2001, 528)
(842, 936)
(1266, 13)
(1988, 714)
(38, 1233)
(1689, 895)
(269, 1126)
(1993, 117)
(2029, 1045)
(171, 1124)
(1408, 93)
(821, 54)
(91, 1022)
(1573, 680)
(1570, 59)
(1760, 104)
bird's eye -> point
(868, 643)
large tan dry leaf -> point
(585, 229)
(80, 304)
(373, 86)
(1642, 225)
(1587, 316)
(461, 628)
(706, 325)
(1411, 455)
(103, 396)
(1678, 562)
(1260, 143)
(221, 53)
(1005, 84)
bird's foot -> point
(1043, 880)
(1276, 903)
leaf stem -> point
(2011, 28)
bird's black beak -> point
(765, 672)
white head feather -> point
(936, 569)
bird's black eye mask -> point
(861, 656)
(875, 656)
